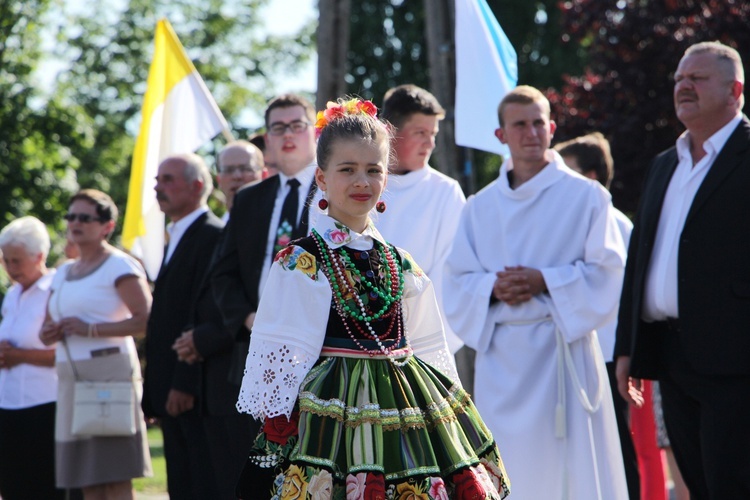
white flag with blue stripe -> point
(486, 69)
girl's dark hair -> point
(359, 126)
(106, 209)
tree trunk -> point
(333, 45)
(439, 26)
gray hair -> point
(196, 169)
(28, 232)
(257, 161)
(728, 57)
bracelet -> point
(93, 331)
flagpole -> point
(227, 135)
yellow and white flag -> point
(178, 116)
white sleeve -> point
(467, 287)
(123, 265)
(287, 336)
(449, 219)
(586, 293)
(422, 319)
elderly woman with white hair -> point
(28, 380)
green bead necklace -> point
(336, 262)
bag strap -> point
(65, 341)
(70, 359)
(58, 294)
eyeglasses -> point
(297, 127)
(233, 169)
(84, 218)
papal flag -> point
(486, 69)
(178, 116)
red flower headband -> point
(335, 110)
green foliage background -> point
(81, 132)
(606, 65)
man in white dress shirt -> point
(685, 308)
(258, 226)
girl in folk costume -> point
(348, 364)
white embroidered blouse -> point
(292, 318)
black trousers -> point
(629, 458)
(708, 423)
(27, 453)
(230, 438)
(190, 473)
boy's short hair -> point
(523, 94)
(592, 153)
(288, 101)
(400, 103)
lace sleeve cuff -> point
(273, 374)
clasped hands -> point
(55, 331)
(185, 348)
(517, 284)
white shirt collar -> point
(177, 229)
(45, 282)
(336, 234)
(713, 144)
(184, 223)
(408, 179)
(304, 176)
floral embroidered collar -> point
(337, 234)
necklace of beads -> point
(336, 262)
(334, 266)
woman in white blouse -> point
(28, 380)
(99, 301)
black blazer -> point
(237, 271)
(215, 345)
(175, 292)
(713, 268)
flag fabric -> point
(486, 69)
(178, 116)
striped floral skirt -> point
(368, 429)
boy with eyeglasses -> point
(267, 215)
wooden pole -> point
(333, 45)
(439, 27)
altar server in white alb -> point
(424, 205)
(536, 268)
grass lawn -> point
(158, 483)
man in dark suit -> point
(257, 226)
(685, 308)
(171, 389)
(230, 433)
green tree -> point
(110, 53)
(37, 138)
(535, 29)
(387, 47)
(626, 90)
(82, 131)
